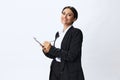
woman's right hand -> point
(46, 46)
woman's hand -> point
(47, 46)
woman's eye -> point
(69, 14)
(63, 13)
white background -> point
(21, 57)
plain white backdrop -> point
(21, 57)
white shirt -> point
(59, 41)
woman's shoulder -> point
(76, 30)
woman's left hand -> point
(47, 46)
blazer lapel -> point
(66, 37)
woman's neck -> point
(65, 27)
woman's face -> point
(67, 17)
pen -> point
(38, 41)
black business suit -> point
(70, 53)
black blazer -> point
(70, 54)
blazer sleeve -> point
(51, 53)
(74, 48)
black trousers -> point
(55, 70)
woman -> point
(66, 51)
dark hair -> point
(73, 10)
